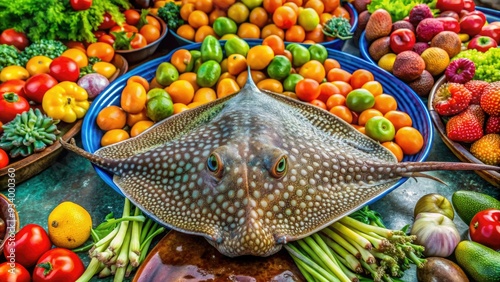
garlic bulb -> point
(437, 233)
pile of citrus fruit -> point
(194, 77)
(291, 20)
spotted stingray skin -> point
(246, 207)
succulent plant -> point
(28, 133)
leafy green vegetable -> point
(171, 14)
(9, 56)
(368, 216)
(338, 27)
(399, 8)
(487, 63)
(55, 19)
(43, 47)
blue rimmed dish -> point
(407, 100)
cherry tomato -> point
(99, 33)
(18, 273)
(101, 50)
(450, 5)
(12, 37)
(12, 104)
(138, 41)
(58, 264)
(64, 69)
(37, 85)
(4, 158)
(106, 38)
(107, 22)
(14, 85)
(30, 243)
(132, 17)
(80, 5)
(307, 89)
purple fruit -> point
(428, 28)
(419, 13)
(460, 71)
(420, 47)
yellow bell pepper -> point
(66, 101)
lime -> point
(223, 26)
(308, 19)
(166, 73)
(318, 52)
(208, 74)
(291, 81)
(300, 55)
(359, 100)
(236, 45)
(159, 107)
(279, 68)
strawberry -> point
(451, 98)
(490, 100)
(492, 125)
(466, 126)
(476, 88)
(487, 149)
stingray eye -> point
(280, 167)
(214, 164)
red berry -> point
(451, 99)
(466, 126)
(476, 88)
(492, 125)
(490, 100)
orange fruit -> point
(186, 31)
(360, 77)
(227, 86)
(295, 33)
(204, 5)
(342, 112)
(181, 91)
(395, 149)
(335, 100)
(198, 19)
(111, 117)
(337, 74)
(259, 57)
(180, 107)
(248, 30)
(186, 10)
(204, 95)
(140, 127)
(365, 115)
(399, 119)
(385, 103)
(270, 84)
(314, 70)
(191, 77)
(271, 29)
(257, 76)
(258, 16)
(374, 87)
(203, 32)
(409, 139)
(114, 136)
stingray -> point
(254, 170)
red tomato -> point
(307, 89)
(80, 5)
(107, 22)
(64, 68)
(132, 17)
(37, 85)
(450, 5)
(12, 104)
(14, 85)
(484, 228)
(58, 264)
(138, 41)
(106, 38)
(30, 243)
(4, 158)
(99, 33)
(14, 272)
(12, 37)
(124, 27)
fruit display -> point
(426, 39)
(191, 78)
(300, 21)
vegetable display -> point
(54, 19)
(348, 248)
(9, 56)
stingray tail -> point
(414, 169)
(105, 163)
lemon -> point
(69, 225)
(436, 60)
(387, 61)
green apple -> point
(380, 129)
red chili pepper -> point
(485, 228)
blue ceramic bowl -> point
(407, 100)
(491, 16)
(336, 44)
